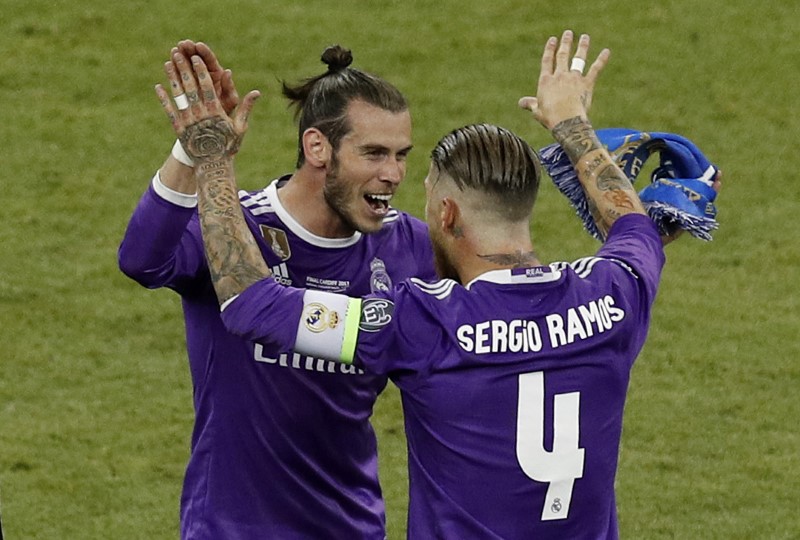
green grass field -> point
(95, 398)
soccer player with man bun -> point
(282, 445)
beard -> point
(337, 194)
(441, 261)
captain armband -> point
(328, 326)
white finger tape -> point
(577, 64)
(182, 103)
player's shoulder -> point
(442, 289)
(258, 202)
(420, 300)
(587, 267)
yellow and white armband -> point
(328, 327)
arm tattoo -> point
(234, 258)
(514, 260)
(609, 193)
(210, 139)
(576, 137)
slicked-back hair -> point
(321, 102)
(494, 161)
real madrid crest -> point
(318, 317)
(380, 280)
(277, 241)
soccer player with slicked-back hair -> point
(513, 374)
(282, 445)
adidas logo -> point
(281, 274)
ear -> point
(450, 217)
(316, 148)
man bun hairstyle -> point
(321, 102)
(337, 58)
(494, 161)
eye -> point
(375, 153)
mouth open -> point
(378, 203)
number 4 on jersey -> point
(561, 466)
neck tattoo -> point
(519, 259)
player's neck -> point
(303, 199)
(486, 254)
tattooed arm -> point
(212, 138)
(561, 105)
(234, 259)
(609, 193)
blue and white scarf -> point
(679, 195)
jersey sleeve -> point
(398, 332)
(634, 241)
(266, 312)
(365, 332)
(162, 246)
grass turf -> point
(95, 400)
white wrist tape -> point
(180, 154)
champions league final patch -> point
(680, 193)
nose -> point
(393, 171)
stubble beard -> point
(441, 262)
(337, 195)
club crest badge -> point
(318, 318)
(380, 280)
(277, 241)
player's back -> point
(514, 420)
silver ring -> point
(181, 102)
(578, 64)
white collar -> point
(306, 235)
(533, 274)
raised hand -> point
(561, 105)
(221, 77)
(206, 130)
(564, 91)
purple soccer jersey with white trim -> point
(282, 446)
(513, 387)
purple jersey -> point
(513, 386)
(268, 455)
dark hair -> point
(492, 160)
(322, 101)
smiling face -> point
(368, 166)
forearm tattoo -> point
(515, 260)
(210, 139)
(234, 259)
(576, 137)
(609, 193)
